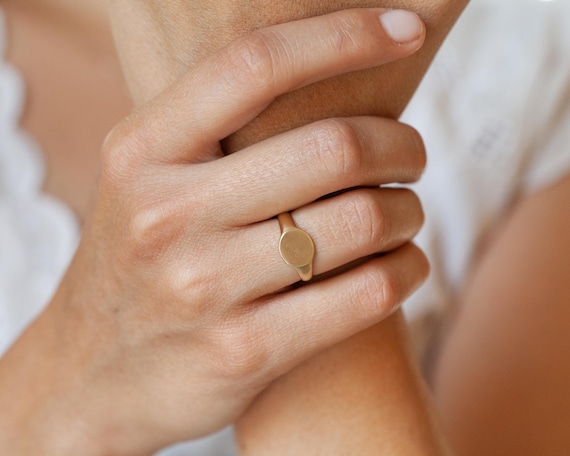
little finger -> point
(310, 319)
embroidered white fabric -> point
(495, 114)
(38, 234)
(494, 111)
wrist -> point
(43, 408)
(316, 400)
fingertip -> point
(423, 266)
(403, 27)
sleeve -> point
(549, 158)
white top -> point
(495, 114)
(38, 234)
(494, 111)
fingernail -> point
(402, 26)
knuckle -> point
(365, 219)
(121, 152)
(374, 219)
(243, 354)
(251, 60)
(418, 209)
(347, 27)
(382, 287)
(390, 290)
(415, 215)
(157, 226)
(380, 292)
(384, 282)
(157, 219)
(418, 153)
(375, 294)
(152, 229)
(422, 263)
(144, 227)
(336, 146)
(186, 283)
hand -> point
(177, 309)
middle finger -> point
(298, 167)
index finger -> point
(228, 90)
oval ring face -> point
(297, 248)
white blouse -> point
(494, 111)
(38, 233)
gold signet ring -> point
(296, 247)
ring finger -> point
(344, 228)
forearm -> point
(363, 397)
(511, 386)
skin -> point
(182, 34)
(470, 384)
(512, 384)
(469, 407)
(142, 314)
(164, 39)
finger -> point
(344, 228)
(310, 319)
(228, 90)
(296, 168)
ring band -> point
(296, 247)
